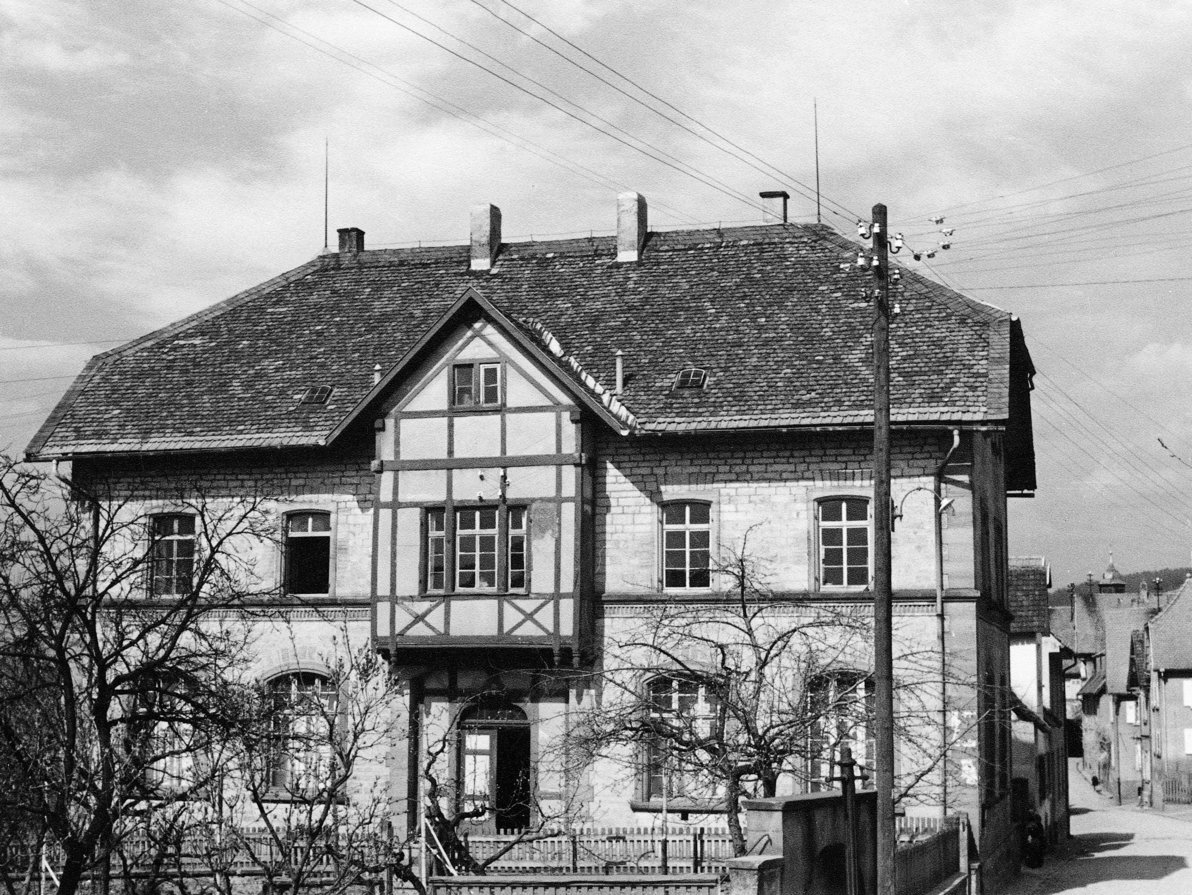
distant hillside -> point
(1171, 578)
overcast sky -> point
(159, 157)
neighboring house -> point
(1126, 683)
(1170, 678)
(491, 459)
(1040, 755)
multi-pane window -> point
(684, 711)
(844, 542)
(686, 536)
(475, 385)
(173, 554)
(841, 708)
(517, 548)
(436, 550)
(308, 553)
(485, 549)
(476, 548)
(302, 723)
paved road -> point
(1115, 851)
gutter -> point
(941, 621)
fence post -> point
(848, 788)
(574, 853)
(695, 849)
(665, 850)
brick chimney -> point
(486, 236)
(631, 226)
(351, 239)
(774, 206)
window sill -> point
(276, 794)
(682, 807)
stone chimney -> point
(631, 226)
(486, 236)
(351, 239)
(774, 206)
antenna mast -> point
(815, 115)
(326, 189)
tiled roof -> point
(1120, 625)
(778, 315)
(1093, 686)
(1029, 581)
(1171, 632)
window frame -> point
(844, 525)
(655, 756)
(159, 543)
(828, 727)
(449, 539)
(281, 758)
(477, 385)
(285, 553)
(687, 528)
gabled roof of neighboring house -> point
(778, 315)
(1120, 625)
(1030, 579)
(1171, 632)
(1079, 626)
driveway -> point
(1114, 851)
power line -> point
(803, 189)
(63, 344)
(436, 102)
(1042, 186)
(680, 166)
(1086, 283)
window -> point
(841, 706)
(682, 709)
(164, 713)
(686, 540)
(486, 549)
(302, 722)
(308, 553)
(1187, 685)
(173, 554)
(1131, 712)
(843, 542)
(1188, 741)
(691, 378)
(475, 385)
(316, 394)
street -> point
(1114, 850)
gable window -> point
(682, 710)
(308, 553)
(475, 385)
(173, 554)
(686, 544)
(485, 550)
(302, 723)
(844, 554)
(840, 705)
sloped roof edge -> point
(473, 297)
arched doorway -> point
(494, 764)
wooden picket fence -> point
(927, 853)
(607, 850)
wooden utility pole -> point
(883, 653)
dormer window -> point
(690, 378)
(475, 385)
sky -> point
(159, 157)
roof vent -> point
(691, 378)
(316, 394)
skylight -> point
(316, 394)
(691, 378)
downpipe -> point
(939, 616)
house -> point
(1169, 638)
(1040, 757)
(490, 459)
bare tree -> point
(728, 696)
(119, 642)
